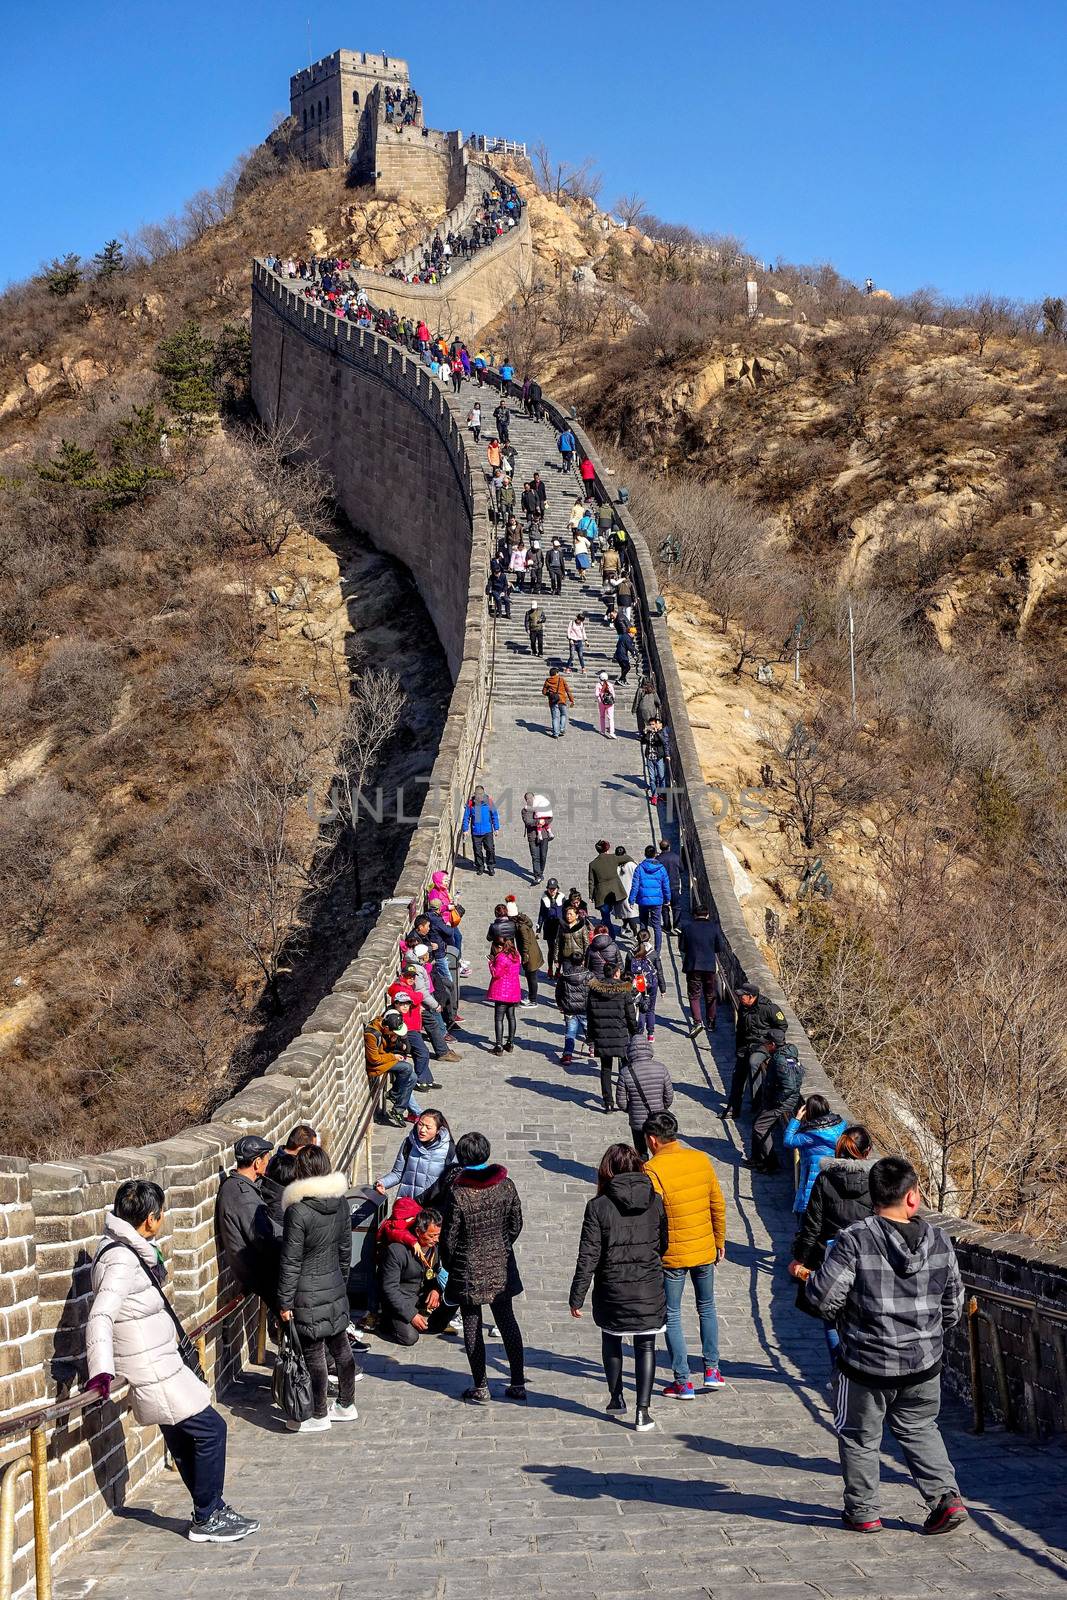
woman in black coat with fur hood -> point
(313, 1280)
(611, 1022)
(624, 1236)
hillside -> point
(171, 911)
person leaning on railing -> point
(134, 1333)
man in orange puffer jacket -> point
(696, 1226)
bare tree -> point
(825, 776)
(631, 210)
(252, 849)
(712, 541)
(560, 178)
(375, 706)
(272, 492)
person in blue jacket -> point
(565, 446)
(650, 892)
(814, 1131)
(481, 821)
(507, 371)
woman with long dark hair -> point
(624, 1236)
(313, 1281)
(840, 1195)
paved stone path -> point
(736, 1493)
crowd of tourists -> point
(400, 105)
(882, 1279)
(499, 211)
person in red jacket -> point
(408, 1001)
(588, 473)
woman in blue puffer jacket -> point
(814, 1131)
(422, 1158)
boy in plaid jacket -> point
(891, 1285)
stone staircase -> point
(519, 673)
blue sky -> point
(915, 143)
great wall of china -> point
(383, 426)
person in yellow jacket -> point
(696, 1228)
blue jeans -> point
(572, 1031)
(434, 1029)
(577, 648)
(652, 917)
(401, 1083)
(655, 773)
(420, 1057)
(604, 913)
(559, 720)
(704, 1283)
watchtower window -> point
(355, 97)
(320, 110)
(327, 105)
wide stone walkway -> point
(735, 1493)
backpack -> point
(788, 1072)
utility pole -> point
(852, 655)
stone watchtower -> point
(335, 106)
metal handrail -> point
(35, 1462)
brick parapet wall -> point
(393, 416)
(475, 291)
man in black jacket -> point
(672, 861)
(411, 1302)
(698, 941)
(239, 1199)
(760, 1026)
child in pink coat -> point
(505, 991)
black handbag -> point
(291, 1383)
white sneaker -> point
(333, 1383)
(455, 1326)
(357, 1376)
(340, 1413)
(314, 1425)
(526, 1002)
(492, 1332)
(464, 969)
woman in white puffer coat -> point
(132, 1334)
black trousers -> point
(607, 1079)
(538, 856)
(198, 1448)
(344, 1363)
(484, 850)
(767, 1119)
(398, 1332)
(749, 1071)
(644, 1365)
(537, 641)
(503, 1313)
(640, 1143)
(504, 1013)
